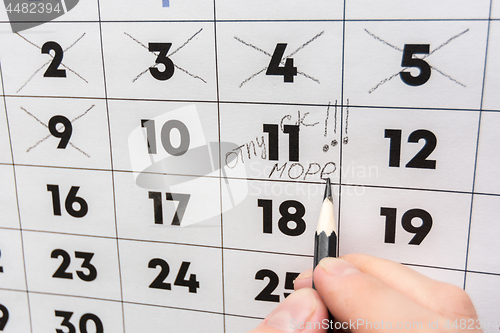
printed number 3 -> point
(162, 59)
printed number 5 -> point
(409, 61)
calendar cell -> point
(161, 137)
(160, 10)
(413, 227)
(8, 202)
(417, 9)
(491, 100)
(275, 217)
(280, 142)
(66, 201)
(162, 61)
(484, 291)
(11, 260)
(173, 320)
(52, 60)
(483, 240)
(180, 276)
(236, 324)
(254, 283)
(72, 265)
(431, 64)
(5, 152)
(60, 132)
(177, 209)
(454, 277)
(71, 314)
(488, 157)
(430, 149)
(279, 10)
(15, 312)
(262, 63)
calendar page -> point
(163, 162)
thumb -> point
(302, 311)
(366, 301)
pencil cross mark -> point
(155, 53)
(48, 62)
(389, 78)
(283, 59)
(58, 128)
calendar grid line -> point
(283, 181)
(477, 147)
(17, 198)
(339, 199)
(111, 160)
(223, 102)
(223, 276)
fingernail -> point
(305, 275)
(294, 312)
(338, 267)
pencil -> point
(325, 239)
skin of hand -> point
(359, 289)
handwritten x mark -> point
(45, 64)
(387, 79)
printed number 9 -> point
(64, 135)
(5, 317)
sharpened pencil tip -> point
(328, 189)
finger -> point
(446, 299)
(302, 311)
(304, 280)
(353, 296)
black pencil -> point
(325, 239)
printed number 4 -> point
(274, 68)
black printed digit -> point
(64, 135)
(61, 271)
(293, 141)
(420, 160)
(1, 267)
(71, 199)
(299, 226)
(289, 279)
(65, 322)
(5, 317)
(83, 324)
(159, 283)
(84, 320)
(165, 136)
(406, 221)
(420, 232)
(162, 58)
(288, 70)
(180, 279)
(422, 65)
(53, 69)
(158, 207)
(267, 293)
(92, 271)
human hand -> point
(360, 289)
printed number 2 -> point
(274, 68)
(420, 160)
(406, 221)
(409, 61)
(266, 293)
(53, 70)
